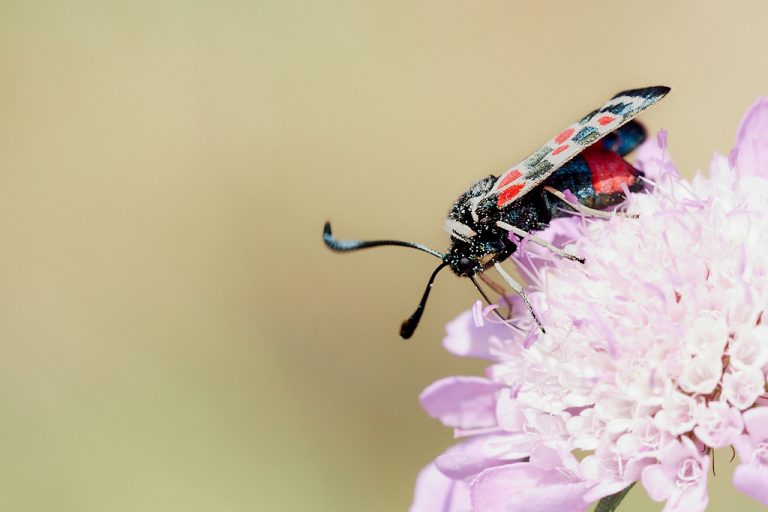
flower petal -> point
(469, 458)
(462, 402)
(756, 421)
(524, 488)
(752, 140)
(464, 338)
(435, 492)
(653, 160)
(657, 483)
(741, 388)
(752, 480)
(692, 499)
(604, 489)
(718, 424)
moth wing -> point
(520, 179)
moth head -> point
(462, 261)
(468, 258)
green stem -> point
(611, 503)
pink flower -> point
(656, 351)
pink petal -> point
(653, 160)
(509, 414)
(468, 458)
(435, 492)
(718, 424)
(509, 447)
(524, 488)
(462, 402)
(604, 489)
(546, 457)
(752, 139)
(657, 483)
(752, 480)
(661, 480)
(676, 452)
(733, 157)
(692, 499)
(661, 138)
(647, 156)
(742, 387)
(744, 447)
(756, 421)
(464, 338)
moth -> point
(581, 169)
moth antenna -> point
(354, 245)
(409, 326)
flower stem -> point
(611, 503)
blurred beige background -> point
(173, 335)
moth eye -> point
(466, 264)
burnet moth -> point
(582, 169)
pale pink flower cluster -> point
(655, 354)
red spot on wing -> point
(509, 178)
(564, 135)
(559, 149)
(609, 171)
(605, 120)
(507, 195)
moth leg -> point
(539, 241)
(519, 290)
(586, 210)
(493, 285)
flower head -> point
(656, 349)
